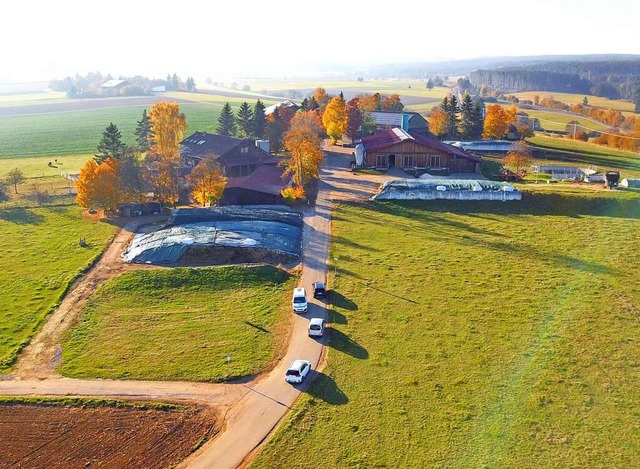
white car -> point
(316, 327)
(297, 371)
(299, 300)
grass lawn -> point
(478, 335)
(78, 132)
(40, 255)
(181, 324)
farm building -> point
(284, 104)
(113, 87)
(238, 157)
(263, 186)
(452, 189)
(397, 148)
(408, 121)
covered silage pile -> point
(452, 189)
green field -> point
(45, 97)
(40, 255)
(551, 120)
(181, 324)
(569, 98)
(478, 334)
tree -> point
(97, 185)
(259, 121)
(438, 122)
(368, 124)
(478, 119)
(495, 122)
(308, 120)
(334, 118)
(208, 182)
(354, 119)
(3, 192)
(226, 121)
(245, 120)
(143, 132)
(110, 145)
(466, 126)
(519, 158)
(175, 82)
(512, 114)
(168, 125)
(392, 103)
(304, 151)
(585, 102)
(536, 100)
(190, 84)
(275, 131)
(450, 108)
(429, 84)
(321, 97)
(164, 177)
(14, 178)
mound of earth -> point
(62, 437)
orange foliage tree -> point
(208, 182)
(369, 102)
(519, 158)
(335, 118)
(168, 125)
(304, 149)
(321, 97)
(392, 103)
(97, 185)
(438, 122)
(495, 122)
(512, 114)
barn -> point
(261, 187)
(397, 148)
(409, 121)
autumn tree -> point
(110, 145)
(226, 121)
(334, 118)
(168, 125)
(308, 120)
(259, 120)
(495, 122)
(392, 103)
(354, 119)
(14, 178)
(97, 185)
(275, 131)
(245, 120)
(512, 114)
(466, 125)
(304, 150)
(519, 158)
(321, 97)
(143, 132)
(438, 122)
(208, 182)
(450, 108)
(164, 177)
(369, 102)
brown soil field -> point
(33, 436)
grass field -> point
(40, 255)
(558, 121)
(478, 335)
(181, 324)
(569, 98)
(32, 98)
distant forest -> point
(614, 79)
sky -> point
(45, 39)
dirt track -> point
(64, 437)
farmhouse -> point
(113, 87)
(409, 121)
(284, 104)
(238, 157)
(397, 148)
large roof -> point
(203, 143)
(270, 109)
(113, 83)
(265, 179)
(391, 118)
(392, 137)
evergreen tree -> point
(313, 104)
(110, 145)
(227, 121)
(259, 121)
(245, 120)
(452, 118)
(466, 125)
(143, 132)
(477, 119)
(429, 84)
(175, 82)
(304, 106)
(190, 84)
(168, 85)
(275, 131)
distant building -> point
(286, 104)
(408, 121)
(113, 87)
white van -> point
(316, 327)
(299, 300)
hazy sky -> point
(43, 39)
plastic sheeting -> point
(239, 228)
(455, 189)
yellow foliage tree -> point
(519, 158)
(334, 118)
(208, 182)
(438, 122)
(164, 177)
(512, 114)
(495, 122)
(304, 153)
(168, 125)
(97, 185)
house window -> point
(408, 161)
(434, 161)
(381, 161)
(244, 150)
(421, 161)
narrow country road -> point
(251, 410)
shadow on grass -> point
(21, 216)
(255, 326)
(336, 318)
(338, 300)
(341, 342)
(395, 296)
(324, 388)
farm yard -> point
(484, 335)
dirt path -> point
(40, 358)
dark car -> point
(319, 290)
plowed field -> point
(72, 437)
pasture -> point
(569, 98)
(40, 257)
(181, 324)
(478, 335)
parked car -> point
(299, 300)
(316, 327)
(297, 371)
(319, 290)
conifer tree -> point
(143, 132)
(452, 118)
(466, 125)
(226, 121)
(110, 145)
(477, 119)
(245, 120)
(259, 121)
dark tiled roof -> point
(203, 143)
(266, 179)
(391, 137)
